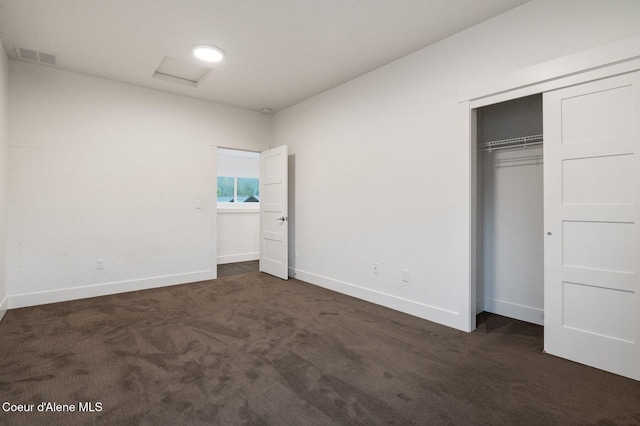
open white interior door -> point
(274, 213)
(592, 214)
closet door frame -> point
(612, 59)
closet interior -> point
(510, 216)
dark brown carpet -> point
(238, 268)
(252, 349)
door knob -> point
(549, 233)
(282, 218)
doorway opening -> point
(509, 215)
(238, 206)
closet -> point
(510, 215)
(556, 241)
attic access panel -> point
(181, 72)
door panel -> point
(612, 107)
(607, 246)
(615, 317)
(598, 180)
(592, 209)
(274, 216)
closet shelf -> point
(524, 141)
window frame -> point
(226, 205)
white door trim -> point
(612, 59)
(214, 211)
(615, 56)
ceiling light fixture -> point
(208, 53)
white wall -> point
(4, 148)
(379, 163)
(105, 170)
(238, 235)
(238, 223)
(238, 163)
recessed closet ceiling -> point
(278, 52)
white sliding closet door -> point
(592, 206)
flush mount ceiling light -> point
(208, 53)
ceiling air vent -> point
(35, 56)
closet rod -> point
(524, 141)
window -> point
(226, 189)
(238, 179)
(238, 189)
(248, 190)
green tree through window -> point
(225, 189)
(238, 190)
(248, 190)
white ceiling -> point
(278, 52)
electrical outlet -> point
(405, 275)
(100, 264)
(376, 268)
(198, 205)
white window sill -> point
(226, 208)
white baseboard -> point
(84, 292)
(4, 306)
(513, 310)
(233, 258)
(420, 310)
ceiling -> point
(278, 52)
